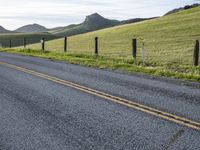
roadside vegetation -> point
(105, 62)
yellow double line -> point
(155, 112)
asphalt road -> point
(40, 114)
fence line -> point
(137, 50)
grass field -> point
(17, 39)
(168, 39)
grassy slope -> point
(64, 29)
(17, 38)
(168, 39)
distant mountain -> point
(96, 21)
(32, 28)
(182, 8)
(3, 30)
(92, 22)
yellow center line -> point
(155, 112)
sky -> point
(54, 13)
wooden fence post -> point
(43, 44)
(134, 48)
(10, 43)
(143, 54)
(196, 53)
(24, 42)
(96, 46)
(65, 44)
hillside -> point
(182, 8)
(17, 39)
(135, 20)
(3, 30)
(91, 23)
(32, 28)
(168, 40)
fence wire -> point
(157, 52)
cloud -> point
(51, 13)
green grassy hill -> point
(168, 40)
(17, 39)
(92, 23)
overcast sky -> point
(52, 13)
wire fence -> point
(10, 41)
(155, 52)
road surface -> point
(44, 105)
